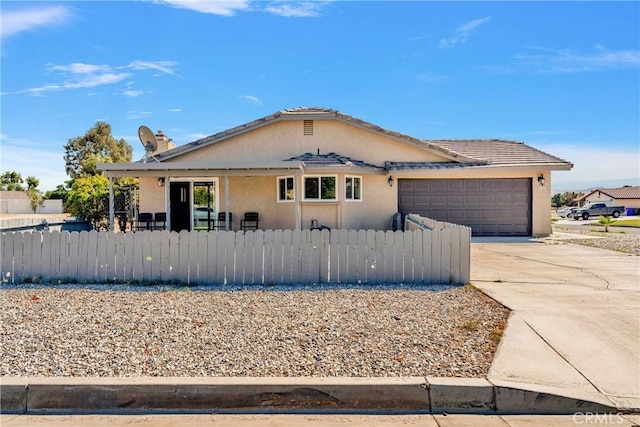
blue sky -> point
(563, 77)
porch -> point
(286, 195)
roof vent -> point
(307, 127)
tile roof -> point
(333, 159)
(469, 152)
(500, 152)
(629, 192)
(429, 165)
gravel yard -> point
(67, 331)
(621, 242)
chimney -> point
(164, 142)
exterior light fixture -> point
(390, 181)
(541, 179)
(160, 182)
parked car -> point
(595, 209)
(201, 214)
(566, 212)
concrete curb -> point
(283, 395)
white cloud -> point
(84, 82)
(295, 10)
(130, 93)
(214, 7)
(134, 115)
(568, 61)
(463, 33)
(79, 75)
(162, 66)
(175, 110)
(80, 68)
(252, 99)
(17, 21)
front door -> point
(180, 206)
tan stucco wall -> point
(259, 194)
(151, 195)
(284, 140)
(628, 203)
(601, 197)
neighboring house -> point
(304, 167)
(628, 196)
(18, 202)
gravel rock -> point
(109, 331)
(628, 243)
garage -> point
(491, 207)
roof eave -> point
(200, 169)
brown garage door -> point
(491, 207)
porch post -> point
(167, 202)
(112, 206)
(226, 202)
(297, 203)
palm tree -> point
(606, 221)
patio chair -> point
(221, 223)
(144, 221)
(160, 221)
(250, 221)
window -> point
(353, 188)
(320, 188)
(204, 203)
(286, 191)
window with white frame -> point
(286, 189)
(353, 188)
(321, 188)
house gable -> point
(286, 139)
(293, 132)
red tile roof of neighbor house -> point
(628, 192)
(467, 153)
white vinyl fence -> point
(252, 257)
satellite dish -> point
(149, 142)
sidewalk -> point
(580, 419)
(576, 321)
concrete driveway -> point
(575, 326)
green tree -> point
(89, 199)
(83, 153)
(88, 196)
(32, 183)
(556, 200)
(35, 199)
(11, 181)
(569, 198)
(60, 193)
(606, 221)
